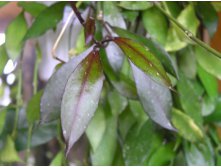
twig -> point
(78, 14)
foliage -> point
(140, 86)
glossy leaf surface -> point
(14, 36)
(155, 98)
(133, 5)
(143, 59)
(186, 126)
(46, 20)
(81, 97)
(52, 96)
(34, 8)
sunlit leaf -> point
(3, 58)
(58, 159)
(186, 126)
(155, 98)
(52, 96)
(153, 46)
(14, 36)
(156, 24)
(89, 30)
(133, 5)
(81, 97)
(143, 59)
(46, 20)
(34, 8)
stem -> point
(190, 35)
(77, 13)
(30, 128)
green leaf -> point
(216, 5)
(208, 61)
(3, 58)
(187, 94)
(153, 46)
(186, 126)
(216, 115)
(143, 59)
(51, 98)
(155, 98)
(130, 15)
(209, 16)
(81, 97)
(155, 24)
(208, 105)
(199, 154)
(34, 8)
(8, 153)
(173, 8)
(133, 5)
(46, 20)
(33, 108)
(58, 159)
(3, 113)
(14, 37)
(209, 82)
(2, 3)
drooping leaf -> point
(3, 58)
(89, 30)
(186, 126)
(52, 96)
(153, 46)
(143, 59)
(208, 61)
(209, 16)
(81, 97)
(33, 108)
(46, 20)
(34, 8)
(58, 159)
(156, 24)
(8, 153)
(155, 98)
(14, 36)
(133, 5)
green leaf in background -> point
(216, 115)
(218, 157)
(172, 7)
(209, 82)
(216, 5)
(3, 113)
(186, 126)
(81, 97)
(3, 58)
(187, 94)
(187, 62)
(2, 3)
(153, 46)
(208, 105)
(53, 92)
(34, 8)
(33, 108)
(199, 154)
(209, 16)
(58, 159)
(208, 61)
(130, 15)
(46, 20)
(155, 98)
(14, 36)
(143, 59)
(155, 24)
(8, 153)
(133, 5)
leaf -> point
(153, 46)
(155, 98)
(14, 37)
(199, 154)
(208, 61)
(209, 82)
(81, 97)
(8, 153)
(2, 3)
(186, 126)
(33, 108)
(3, 58)
(52, 96)
(155, 24)
(133, 5)
(58, 159)
(173, 8)
(46, 20)
(89, 30)
(3, 113)
(34, 8)
(209, 16)
(143, 59)
(187, 94)
(130, 15)
(216, 114)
